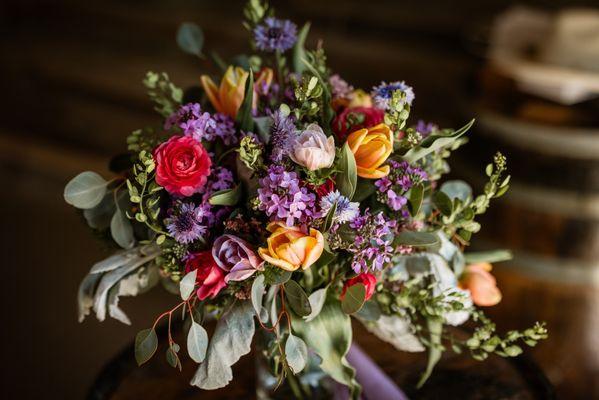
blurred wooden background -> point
(71, 76)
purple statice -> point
(187, 222)
(282, 198)
(192, 121)
(340, 89)
(372, 246)
(275, 35)
(223, 128)
(383, 93)
(425, 128)
(393, 188)
(282, 136)
(346, 210)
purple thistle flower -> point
(275, 35)
(282, 198)
(346, 211)
(282, 136)
(185, 223)
(383, 93)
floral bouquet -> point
(280, 199)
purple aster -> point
(383, 93)
(282, 198)
(282, 135)
(425, 128)
(185, 222)
(346, 211)
(275, 35)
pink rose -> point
(182, 165)
(368, 280)
(235, 256)
(355, 118)
(210, 278)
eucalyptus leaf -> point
(258, 289)
(364, 188)
(347, 175)
(492, 256)
(370, 311)
(121, 230)
(354, 298)
(99, 216)
(172, 358)
(296, 353)
(190, 38)
(227, 197)
(146, 343)
(330, 336)
(416, 238)
(443, 203)
(435, 142)
(232, 339)
(187, 284)
(457, 189)
(244, 115)
(197, 342)
(299, 50)
(317, 300)
(297, 298)
(86, 190)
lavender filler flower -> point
(282, 198)
(383, 93)
(201, 125)
(275, 35)
(392, 189)
(372, 247)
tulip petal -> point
(315, 251)
(276, 261)
(212, 92)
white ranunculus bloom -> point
(312, 149)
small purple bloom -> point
(235, 256)
(339, 87)
(186, 223)
(383, 184)
(395, 201)
(282, 136)
(275, 35)
(425, 128)
(383, 93)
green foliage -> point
(197, 342)
(257, 294)
(492, 256)
(347, 175)
(244, 115)
(172, 357)
(253, 12)
(354, 298)
(299, 50)
(296, 353)
(146, 343)
(297, 298)
(415, 238)
(435, 142)
(250, 153)
(190, 39)
(398, 112)
(275, 275)
(226, 197)
(86, 190)
(166, 96)
(317, 300)
(121, 230)
(308, 94)
(144, 139)
(187, 284)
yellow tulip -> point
(371, 148)
(360, 98)
(228, 97)
(289, 248)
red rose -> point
(368, 280)
(210, 278)
(353, 118)
(182, 165)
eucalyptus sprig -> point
(166, 96)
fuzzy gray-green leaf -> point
(86, 190)
(296, 353)
(121, 230)
(197, 342)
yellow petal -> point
(211, 91)
(354, 140)
(275, 261)
(377, 173)
(316, 249)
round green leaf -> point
(86, 190)
(190, 38)
(187, 284)
(296, 353)
(297, 299)
(121, 230)
(457, 189)
(197, 342)
(257, 295)
(354, 298)
(146, 343)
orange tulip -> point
(481, 284)
(372, 147)
(289, 248)
(228, 97)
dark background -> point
(71, 73)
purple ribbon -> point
(376, 385)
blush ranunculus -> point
(482, 285)
(182, 165)
(354, 118)
(235, 256)
(210, 278)
(368, 280)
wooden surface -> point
(456, 377)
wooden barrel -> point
(550, 219)
(455, 377)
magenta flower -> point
(235, 256)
